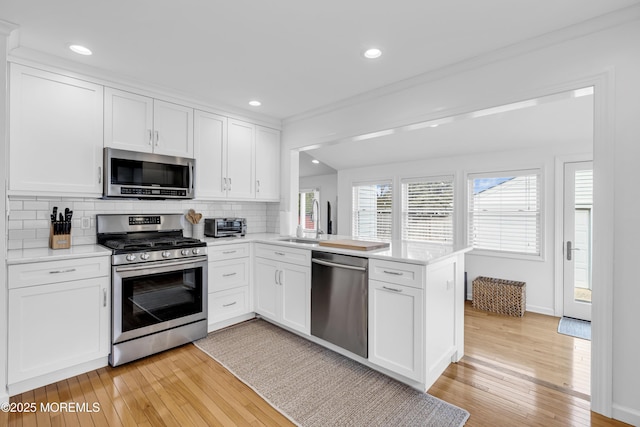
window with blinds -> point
(372, 210)
(504, 212)
(427, 209)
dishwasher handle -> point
(333, 264)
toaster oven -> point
(225, 227)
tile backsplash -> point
(29, 217)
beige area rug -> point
(314, 386)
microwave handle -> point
(191, 177)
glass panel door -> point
(578, 225)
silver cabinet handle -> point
(71, 270)
(224, 186)
(276, 277)
(392, 289)
(104, 297)
(229, 252)
(150, 136)
(157, 138)
(229, 184)
(280, 253)
(229, 274)
(230, 304)
(280, 277)
(99, 174)
(395, 273)
(257, 186)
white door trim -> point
(603, 237)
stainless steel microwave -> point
(138, 175)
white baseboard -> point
(628, 415)
(532, 308)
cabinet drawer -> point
(284, 254)
(220, 252)
(227, 304)
(23, 275)
(233, 273)
(397, 272)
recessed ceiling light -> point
(81, 50)
(255, 103)
(315, 161)
(372, 53)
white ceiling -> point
(549, 121)
(292, 55)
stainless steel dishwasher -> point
(339, 300)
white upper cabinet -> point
(267, 163)
(210, 148)
(55, 138)
(240, 176)
(139, 123)
(235, 159)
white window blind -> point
(372, 210)
(504, 212)
(427, 209)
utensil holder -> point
(198, 230)
(59, 241)
(187, 230)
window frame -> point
(393, 221)
(301, 191)
(540, 172)
(424, 179)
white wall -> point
(539, 273)
(4, 138)
(328, 186)
(605, 51)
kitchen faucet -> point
(316, 207)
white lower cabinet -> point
(229, 284)
(395, 328)
(283, 289)
(56, 329)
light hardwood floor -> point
(516, 372)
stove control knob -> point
(166, 254)
(196, 251)
(185, 252)
(144, 256)
(131, 257)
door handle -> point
(570, 250)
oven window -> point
(156, 298)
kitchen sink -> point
(310, 242)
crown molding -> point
(6, 27)
(590, 26)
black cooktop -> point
(125, 245)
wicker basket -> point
(499, 296)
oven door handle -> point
(149, 266)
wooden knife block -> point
(59, 241)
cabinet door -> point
(240, 160)
(55, 138)
(295, 287)
(173, 129)
(267, 163)
(395, 328)
(128, 121)
(57, 326)
(266, 288)
(210, 151)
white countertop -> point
(25, 256)
(398, 250)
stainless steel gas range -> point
(159, 284)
